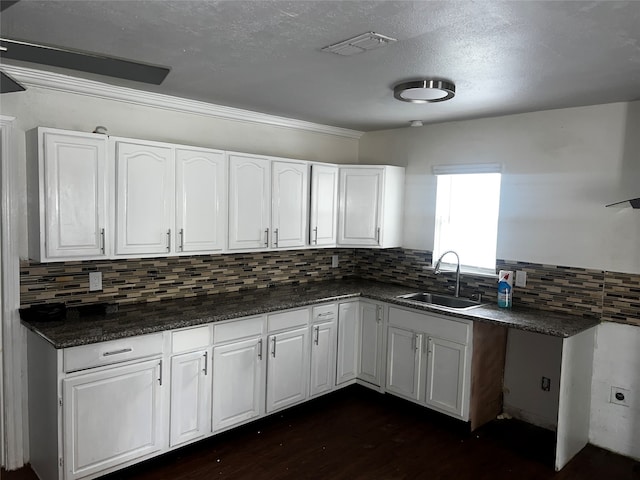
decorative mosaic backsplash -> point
(153, 279)
(611, 296)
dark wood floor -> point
(358, 434)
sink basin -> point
(440, 300)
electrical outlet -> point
(95, 281)
(545, 384)
(620, 396)
(521, 278)
(334, 261)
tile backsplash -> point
(611, 296)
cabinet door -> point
(237, 382)
(201, 200)
(111, 417)
(404, 363)
(73, 171)
(324, 205)
(348, 345)
(445, 375)
(360, 206)
(144, 201)
(290, 204)
(371, 333)
(249, 202)
(190, 417)
(287, 367)
(323, 357)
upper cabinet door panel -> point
(360, 202)
(144, 209)
(75, 185)
(249, 202)
(290, 204)
(324, 205)
(201, 200)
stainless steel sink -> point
(440, 300)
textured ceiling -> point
(504, 57)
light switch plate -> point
(95, 281)
(521, 278)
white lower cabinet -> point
(237, 382)
(287, 379)
(429, 360)
(323, 350)
(111, 416)
(371, 342)
(404, 363)
(348, 342)
(190, 413)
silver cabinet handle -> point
(275, 237)
(266, 237)
(182, 239)
(317, 339)
(260, 349)
(378, 235)
(206, 362)
(325, 314)
(378, 314)
(102, 242)
(169, 240)
(315, 236)
(117, 352)
(273, 351)
(160, 377)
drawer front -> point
(448, 329)
(191, 339)
(114, 351)
(291, 319)
(238, 329)
(324, 313)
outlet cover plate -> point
(334, 261)
(95, 281)
(521, 278)
(620, 396)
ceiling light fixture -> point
(424, 91)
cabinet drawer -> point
(190, 339)
(115, 351)
(324, 313)
(291, 319)
(237, 329)
(454, 330)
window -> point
(467, 204)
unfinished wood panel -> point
(487, 372)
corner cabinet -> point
(370, 206)
(68, 186)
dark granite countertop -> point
(140, 319)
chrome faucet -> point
(437, 271)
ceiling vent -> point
(359, 44)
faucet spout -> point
(437, 270)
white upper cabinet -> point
(249, 202)
(370, 206)
(290, 195)
(324, 206)
(70, 220)
(268, 203)
(144, 198)
(169, 199)
(201, 200)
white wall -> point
(616, 363)
(47, 108)
(560, 168)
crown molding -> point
(65, 83)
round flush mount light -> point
(424, 91)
